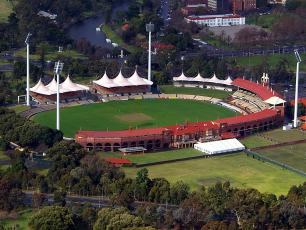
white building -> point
(217, 20)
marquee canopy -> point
(218, 147)
(214, 79)
(121, 81)
(51, 88)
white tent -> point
(51, 88)
(106, 82)
(199, 78)
(217, 147)
(135, 79)
(120, 80)
(182, 77)
(275, 100)
(40, 88)
(71, 86)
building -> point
(196, 3)
(243, 5)
(217, 20)
(283, 2)
(195, 7)
(222, 6)
(47, 15)
(68, 91)
(121, 85)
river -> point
(87, 28)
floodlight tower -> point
(27, 42)
(149, 29)
(57, 70)
(298, 61)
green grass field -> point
(117, 39)
(293, 155)
(281, 136)
(19, 108)
(119, 115)
(194, 91)
(255, 141)
(22, 221)
(155, 156)
(265, 21)
(240, 170)
(6, 8)
(272, 60)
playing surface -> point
(120, 115)
(293, 155)
(5, 10)
(240, 170)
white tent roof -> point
(182, 77)
(217, 147)
(40, 88)
(51, 88)
(228, 81)
(106, 82)
(120, 80)
(71, 86)
(199, 78)
(275, 100)
(135, 79)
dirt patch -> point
(134, 117)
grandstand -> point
(121, 86)
(252, 100)
(69, 91)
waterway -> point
(87, 28)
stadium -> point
(256, 107)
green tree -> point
(53, 218)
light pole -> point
(298, 61)
(150, 29)
(57, 70)
(27, 42)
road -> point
(97, 202)
(215, 52)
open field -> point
(265, 21)
(155, 156)
(117, 39)
(272, 60)
(240, 170)
(272, 137)
(281, 136)
(103, 116)
(293, 155)
(170, 89)
(22, 221)
(51, 53)
(6, 8)
(255, 141)
(19, 108)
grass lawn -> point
(51, 53)
(170, 89)
(3, 156)
(293, 155)
(272, 60)
(265, 21)
(284, 136)
(119, 115)
(155, 157)
(255, 141)
(22, 221)
(240, 170)
(110, 34)
(6, 9)
(19, 108)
